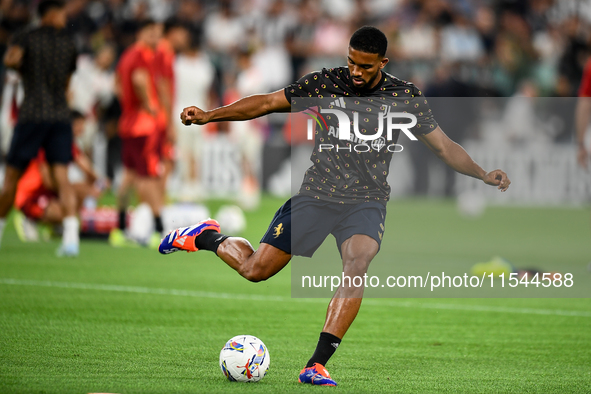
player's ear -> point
(383, 63)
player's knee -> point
(255, 275)
(254, 272)
(356, 265)
(9, 188)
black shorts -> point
(55, 138)
(302, 224)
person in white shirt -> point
(194, 80)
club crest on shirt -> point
(378, 144)
(278, 230)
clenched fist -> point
(194, 115)
(497, 178)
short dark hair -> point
(47, 5)
(145, 23)
(370, 40)
(174, 23)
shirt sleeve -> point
(419, 107)
(164, 65)
(585, 87)
(306, 86)
(138, 61)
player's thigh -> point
(24, 146)
(359, 235)
(127, 179)
(58, 143)
(60, 175)
(297, 240)
(357, 252)
(11, 178)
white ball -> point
(231, 219)
(141, 225)
(471, 204)
(244, 358)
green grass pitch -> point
(132, 321)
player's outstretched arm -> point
(457, 158)
(244, 109)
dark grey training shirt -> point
(48, 61)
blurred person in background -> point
(139, 131)
(194, 82)
(514, 52)
(224, 33)
(12, 97)
(176, 39)
(248, 135)
(577, 48)
(92, 88)
(45, 57)
(36, 196)
(583, 118)
(300, 39)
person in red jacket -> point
(139, 129)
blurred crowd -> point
(449, 48)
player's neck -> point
(376, 81)
(50, 23)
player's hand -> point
(583, 157)
(193, 115)
(151, 110)
(497, 178)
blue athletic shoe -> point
(316, 375)
(184, 238)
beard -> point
(368, 84)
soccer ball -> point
(231, 219)
(244, 358)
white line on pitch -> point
(260, 297)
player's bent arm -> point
(13, 57)
(86, 166)
(452, 154)
(140, 79)
(247, 108)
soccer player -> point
(139, 131)
(46, 57)
(340, 194)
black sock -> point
(158, 227)
(210, 240)
(122, 219)
(327, 345)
